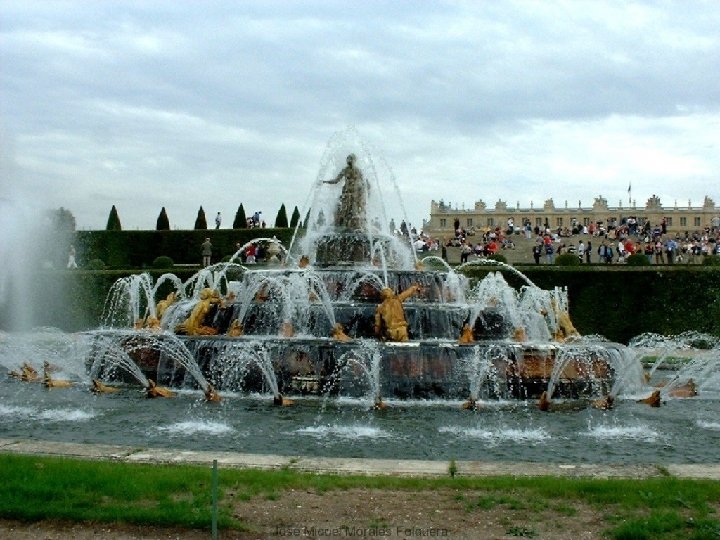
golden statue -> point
(519, 334)
(286, 329)
(687, 390)
(379, 404)
(211, 395)
(49, 382)
(280, 401)
(236, 329)
(304, 261)
(152, 323)
(390, 323)
(653, 399)
(338, 333)
(466, 335)
(470, 405)
(565, 327)
(101, 388)
(162, 305)
(50, 368)
(193, 325)
(604, 404)
(155, 391)
(544, 402)
(28, 373)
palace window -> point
(683, 221)
(697, 222)
(443, 222)
(469, 222)
(559, 221)
(668, 222)
(490, 222)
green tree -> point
(61, 220)
(295, 218)
(200, 221)
(113, 222)
(240, 221)
(281, 221)
(163, 223)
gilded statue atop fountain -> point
(390, 323)
(350, 211)
(194, 325)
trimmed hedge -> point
(163, 261)
(138, 249)
(567, 259)
(621, 302)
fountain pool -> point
(381, 356)
(681, 431)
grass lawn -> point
(38, 488)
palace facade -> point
(678, 219)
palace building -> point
(678, 219)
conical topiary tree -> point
(295, 218)
(240, 221)
(113, 222)
(281, 220)
(163, 223)
(200, 221)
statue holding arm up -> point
(350, 212)
(390, 322)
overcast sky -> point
(144, 104)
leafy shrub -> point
(162, 262)
(567, 259)
(711, 260)
(95, 264)
(498, 257)
(637, 259)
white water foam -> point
(13, 410)
(192, 427)
(637, 433)
(498, 436)
(54, 415)
(715, 426)
(345, 432)
(65, 415)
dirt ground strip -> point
(362, 513)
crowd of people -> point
(617, 242)
(481, 243)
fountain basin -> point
(424, 369)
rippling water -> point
(681, 431)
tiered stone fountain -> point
(352, 310)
